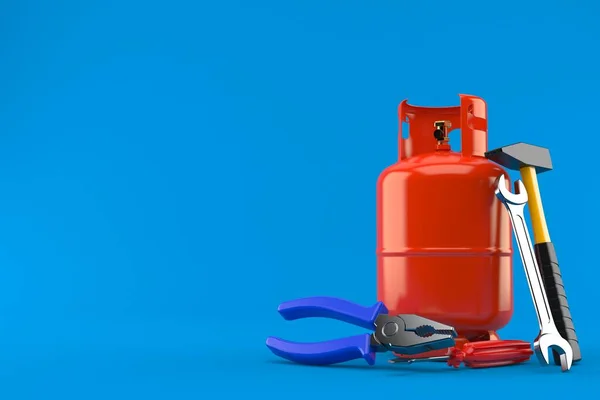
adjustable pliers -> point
(403, 334)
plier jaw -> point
(404, 334)
(411, 334)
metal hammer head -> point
(519, 155)
(506, 196)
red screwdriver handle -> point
(493, 353)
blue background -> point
(171, 171)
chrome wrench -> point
(548, 338)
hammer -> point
(532, 160)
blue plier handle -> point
(404, 334)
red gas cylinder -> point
(444, 244)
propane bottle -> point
(444, 241)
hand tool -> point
(492, 353)
(532, 160)
(404, 334)
(548, 336)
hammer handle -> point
(557, 296)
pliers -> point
(407, 334)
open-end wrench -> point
(548, 338)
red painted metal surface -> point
(444, 244)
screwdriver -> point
(485, 354)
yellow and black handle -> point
(548, 264)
